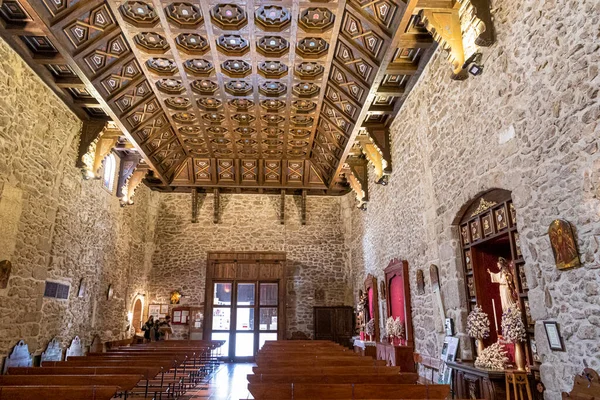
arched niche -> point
(398, 296)
(137, 313)
(372, 309)
(488, 231)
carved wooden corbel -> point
(456, 24)
(358, 177)
(128, 164)
(444, 26)
(90, 130)
(131, 185)
(376, 149)
(216, 202)
(98, 149)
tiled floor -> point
(228, 383)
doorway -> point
(136, 320)
(245, 302)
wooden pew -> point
(145, 372)
(283, 391)
(123, 382)
(405, 378)
(340, 370)
(58, 392)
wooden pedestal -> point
(476, 383)
(397, 356)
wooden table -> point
(365, 348)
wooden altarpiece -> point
(372, 303)
(488, 231)
(398, 306)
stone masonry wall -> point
(60, 227)
(315, 252)
(529, 124)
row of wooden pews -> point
(158, 370)
(325, 370)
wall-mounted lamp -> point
(473, 64)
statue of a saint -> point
(508, 293)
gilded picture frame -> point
(564, 245)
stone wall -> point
(60, 227)
(315, 252)
(529, 124)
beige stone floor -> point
(228, 383)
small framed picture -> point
(553, 334)
(164, 309)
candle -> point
(495, 318)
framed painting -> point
(563, 244)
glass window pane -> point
(222, 295)
(223, 350)
(244, 344)
(245, 294)
(268, 319)
(245, 319)
(263, 337)
(268, 294)
(221, 318)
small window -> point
(56, 290)
(110, 166)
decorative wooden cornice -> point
(484, 205)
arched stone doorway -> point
(136, 320)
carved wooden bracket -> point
(131, 185)
(444, 26)
(358, 177)
(454, 24)
(128, 164)
(216, 202)
(376, 147)
(90, 130)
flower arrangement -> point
(370, 330)
(478, 324)
(513, 328)
(394, 328)
(493, 357)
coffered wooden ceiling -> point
(247, 95)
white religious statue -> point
(507, 286)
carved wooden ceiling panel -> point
(245, 94)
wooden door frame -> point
(399, 268)
(263, 275)
(371, 283)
